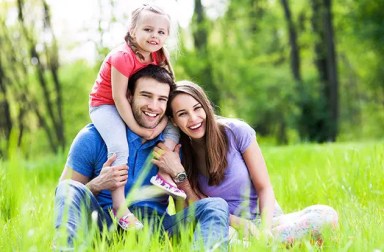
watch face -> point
(182, 176)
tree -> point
(325, 61)
(29, 75)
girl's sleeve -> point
(123, 62)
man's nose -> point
(153, 104)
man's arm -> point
(110, 177)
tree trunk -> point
(295, 50)
(327, 68)
(53, 122)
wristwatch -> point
(180, 177)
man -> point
(83, 193)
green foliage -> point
(78, 78)
(243, 62)
(348, 177)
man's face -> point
(149, 102)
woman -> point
(222, 159)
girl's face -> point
(189, 116)
(151, 31)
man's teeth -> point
(195, 126)
(150, 114)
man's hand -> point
(110, 177)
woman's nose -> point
(192, 117)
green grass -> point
(346, 176)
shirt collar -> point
(134, 138)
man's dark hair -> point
(154, 72)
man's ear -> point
(129, 97)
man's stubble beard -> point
(138, 115)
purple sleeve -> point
(243, 134)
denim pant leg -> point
(76, 207)
(212, 218)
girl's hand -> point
(152, 133)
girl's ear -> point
(132, 33)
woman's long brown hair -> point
(215, 137)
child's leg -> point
(163, 180)
(309, 221)
(113, 131)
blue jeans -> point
(76, 208)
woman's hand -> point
(167, 160)
(249, 230)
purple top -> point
(236, 188)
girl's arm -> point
(259, 175)
(119, 94)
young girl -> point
(110, 110)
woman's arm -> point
(169, 162)
(259, 175)
(119, 94)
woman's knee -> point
(326, 214)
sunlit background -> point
(296, 71)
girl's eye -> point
(161, 33)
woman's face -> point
(189, 116)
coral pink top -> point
(126, 62)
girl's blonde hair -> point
(162, 55)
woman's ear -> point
(173, 122)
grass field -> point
(346, 176)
